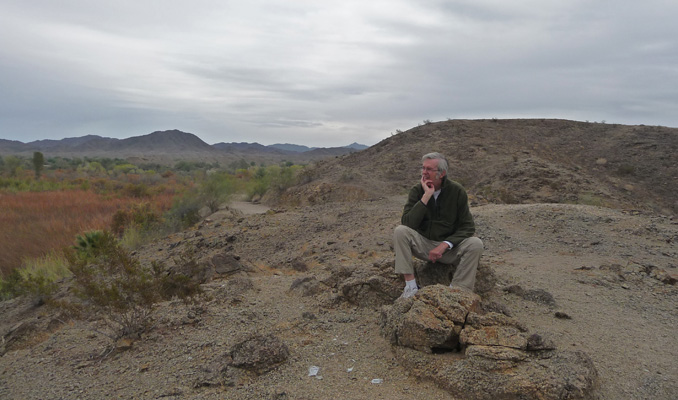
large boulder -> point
(430, 321)
(488, 355)
(495, 372)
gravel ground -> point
(608, 271)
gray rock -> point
(491, 355)
(565, 375)
(259, 354)
(307, 286)
(536, 342)
(372, 286)
(504, 336)
(371, 290)
(378, 285)
(492, 318)
(233, 289)
(497, 353)
(226, 264)
(536, 295)
(431, 320)
(223, 264)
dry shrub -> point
(115, 286)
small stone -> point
(562, 315)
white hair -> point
(442, 162)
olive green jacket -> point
(446, 219)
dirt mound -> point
(523, 161)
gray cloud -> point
(328, 73)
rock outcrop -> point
(366, 286)
(444, 335)
(246, 361)
(377, 285)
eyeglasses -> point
(429, 170)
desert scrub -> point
(118, 288)
(39, 287)
(37, 278)
(140, 216)
(272, 180)
(216, 190)
(503, 195)
(626, 169)
(590, 199)
(185, 212)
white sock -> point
(411, 284)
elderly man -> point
(437, 226)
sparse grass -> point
(347, 176)
(53, 266)
(503, 195)
(590, 199)
(132, 238)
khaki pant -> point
(465, 256)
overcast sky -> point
(328, 73)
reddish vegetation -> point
(34, 223)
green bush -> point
(258, 186)
(185, 212)
(138, 190)
(38, 163)
(133, 238)
(216, 190)
(115, 286)
(36, 277)
(19, 283)
(140, 217)
(87, 245)
(12, 285)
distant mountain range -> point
(170, 145)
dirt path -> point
(248, 208)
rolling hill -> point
(167, 147)
(518, 161)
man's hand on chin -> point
(428, 187)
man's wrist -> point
(449, 245)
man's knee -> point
(474, 244)
(401, 232)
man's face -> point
(429, 172)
